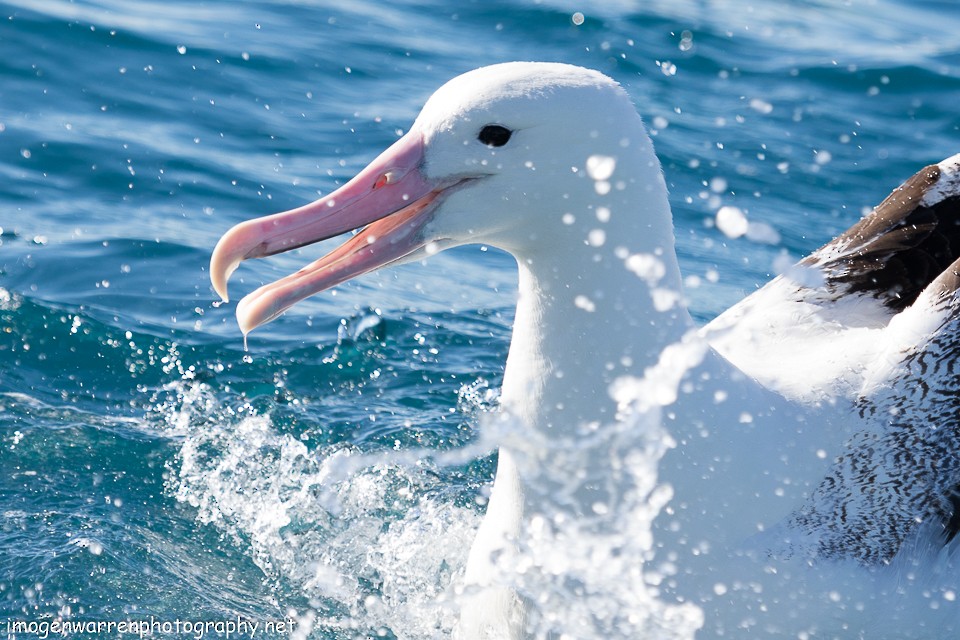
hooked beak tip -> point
(248, 318)
(223, 262)
(219, 282)
(220, 288)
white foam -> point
(329, 520)
(334, 519)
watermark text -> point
(151, 627)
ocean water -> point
(152, 469)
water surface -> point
(151, 467)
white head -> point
(520, 156)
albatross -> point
(814, 425)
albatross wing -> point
(902, 468)
(811, 332)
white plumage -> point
(815, 423)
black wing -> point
(908, 240)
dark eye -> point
(494, 135)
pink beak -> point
(391, 196)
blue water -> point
(150, 467)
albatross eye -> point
(494, 135)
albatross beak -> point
(391, 196)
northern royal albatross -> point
(844, 366)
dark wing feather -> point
(901, 247)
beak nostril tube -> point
(390, 177)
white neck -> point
(584, 316)
(571, 341)
(584, 319)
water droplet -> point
(647, 266)
(585, 303)
(601, 167)
(368, 327)
(732, 221)
(762, 232)
(761, 106)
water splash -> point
(371, 540)
(585, 575)
(375, 542)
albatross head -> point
(510, 155)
